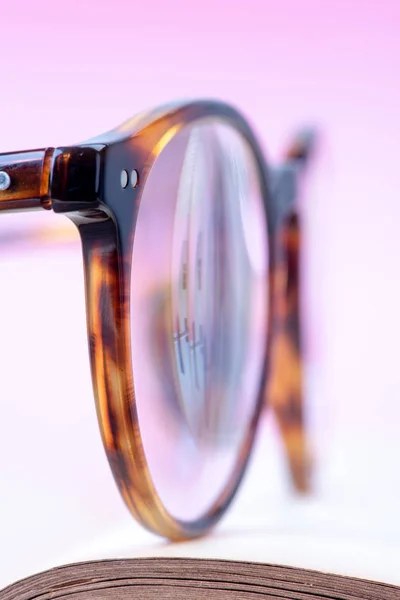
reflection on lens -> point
(198, 313)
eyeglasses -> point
(191, 259)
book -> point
(189, 578)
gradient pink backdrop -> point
(72, 70)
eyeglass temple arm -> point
(62, 179)
(284, 391)
(24, 180)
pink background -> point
(72, 70)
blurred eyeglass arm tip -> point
(284, 389)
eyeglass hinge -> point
(76, 178)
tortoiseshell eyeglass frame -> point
(83, 182)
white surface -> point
(269, 524)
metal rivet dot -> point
(5, 181)
(124, 178)
(134, 178)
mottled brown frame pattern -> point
(84, 183)
(285, 389)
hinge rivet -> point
(5, 181)
(124, 178)
(134, 178)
